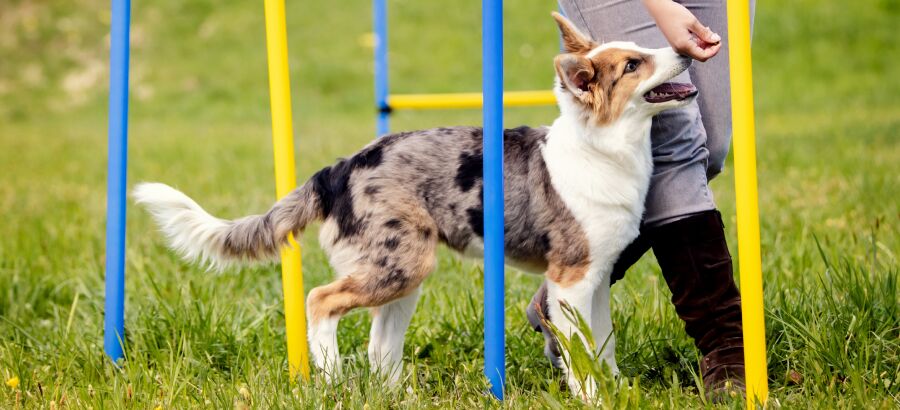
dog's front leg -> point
(389, 324)
(580, 296)
(601, 325)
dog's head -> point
(603, 82)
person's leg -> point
(696, 265)
(700, 268)
(678, 192)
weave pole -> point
(468, 100)
(747, 201)
(114, 310)
(379, 13)
(492, 84)
(285, 182)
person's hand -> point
(683, 31)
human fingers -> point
(700, 53)
(704, 33)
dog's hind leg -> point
(325, 307)
(389, 324)
(381, 267)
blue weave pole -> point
(379, 11)
(114, 320)
(492, 84)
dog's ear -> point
(573, 40)
(575, 72)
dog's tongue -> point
(674, 88)
(670, 91)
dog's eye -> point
(631, 66)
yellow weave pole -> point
(747, 203)
(468, 100)
(285, 182)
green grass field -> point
(828, 115)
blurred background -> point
(827, 92)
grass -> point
(827, 119)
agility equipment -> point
(492, 102)
(285, 181)
(492, 88)
(468, 100)
(747, 202)
(114, 309)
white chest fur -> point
(602, 176)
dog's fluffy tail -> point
(199, 236)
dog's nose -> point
(684, 60)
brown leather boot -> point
(696, 264)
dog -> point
(574, 200)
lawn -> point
(828, 115)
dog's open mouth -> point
(670, 91)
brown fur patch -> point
(366, 290)
(334, 299)
(610, 86)
(614, 86)
(567, 275)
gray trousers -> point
(689, 144)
